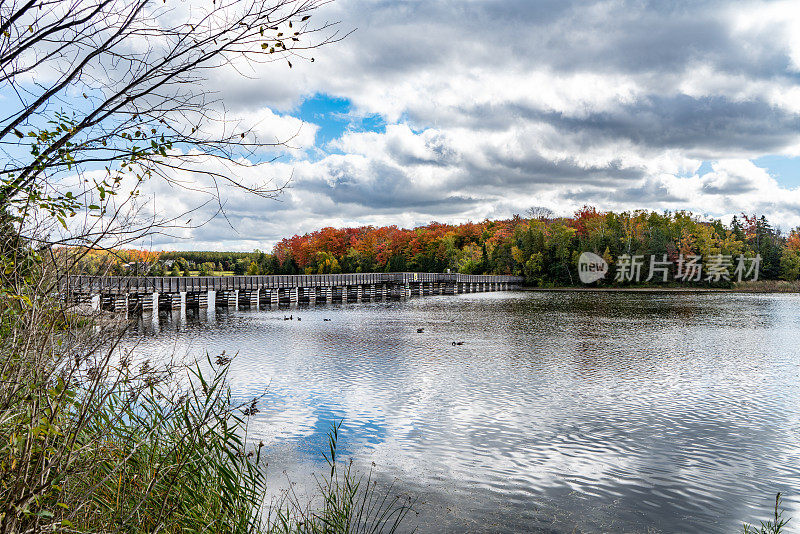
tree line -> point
(540, 247)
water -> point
(561, 412)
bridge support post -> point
(134, 304)
(142, 302)
(294, 295)
(169, 301)
(139, 302)
(324, 294)
(119, 303)
(197, 299)
(226, 298)
(248, 298)
(114, 303)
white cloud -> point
(498, 106)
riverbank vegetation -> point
(775, 525)
(541, 247)
(92, 437)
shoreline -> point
(655, 290)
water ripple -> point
(557, 413)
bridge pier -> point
(169, 301)
(248, 298)
(197, 299)
(114, 303)
(324, 294)
(226, 298)
(406, 291)
(140, 302)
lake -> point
(560, 412)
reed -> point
(94, 439)
(774, 526)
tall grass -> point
(774, 526)
(351, 502)
(94, 440)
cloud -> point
(490, 107)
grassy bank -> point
(94, 439)
(760, 286)
(768, 286)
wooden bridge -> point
(118, 293)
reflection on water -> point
(560, 412)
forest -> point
(541, 247)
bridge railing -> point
(176, 284)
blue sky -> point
(785, 169)
(335, 116)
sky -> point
(463, 110)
